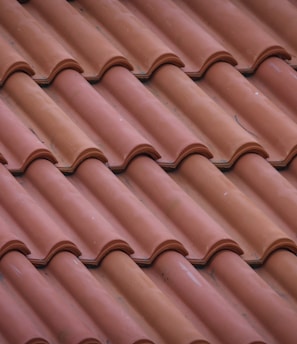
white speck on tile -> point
(190, 274)
(17, 271)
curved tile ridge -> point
(26, 222)
(122, 211)
(18, 144)
(33, 43)
(123, 118)
(280, 272)
(280, 23)
(147, 300)
(269, 190)
(207, 120)
(278, 81)
(196, 48)
(238, 214)
(185, 219)
(23, 293)
(143, 49)
(135, 309)
(215, 316)
(150, 117)
(79, 221)
(89, 47)
(237, 31)
(252, 297)
(11, 61)
(251, 110)
(67, 143)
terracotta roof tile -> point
(33, 43)
(213, 191)
(155, 204)
(42, 124)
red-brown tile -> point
(36, 46)
(123, 118)
(23, 100)
(184, 218)
(251, 110)
(278, 81)
(11, 61)
(115, 302)
(188, 40)
(237, 213)
(278, 19)
(270, 314)
(268, 190)
(290, 173)
(237, 31)
(126, 214)
(143, 49)
(208, 121)
(280, 272)
(32, 311)
(197, 298)
(80, 221)
(26, 226)
(18, 144)
(86, 44)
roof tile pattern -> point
(148, 172)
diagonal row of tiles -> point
(38, 37)
(145, 211)
(119, 117)
(170, 301)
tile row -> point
(120, 117)
(170, 301)
(139, 36)
(195, 210)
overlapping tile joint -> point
(148, 171)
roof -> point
(148, 171)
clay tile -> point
(150, 117)
(23, 290)
(206, 119)
(11, 61)
(237, 31)
(18, 144)
(237, 214)
(254, 298)
(269, 191)
(103, 124)
(164, 318)
(143, 49)
(251, 110)
(125, 214)
(33, 42)
(90, 48)
(31, 230)
(49, 188)
(278, 19)
(67, 143)
(212, 312)
(196, 48)
(183, 217)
